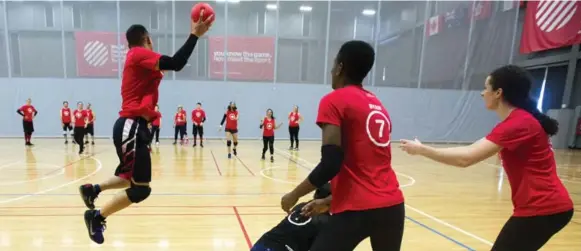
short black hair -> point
(65, 102)
(135, 35)
(357, 58)
(199, 103)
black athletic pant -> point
(530, 233)
(346, 230)
(267, 143)
(294, 135)
(155, 132)
(196, 129)
(79, 136)
(181, 130)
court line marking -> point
(241, 223)
(99, 167)
(44, 177)
(4, 165)
(427, 215)
(240, 160)
(440, 234)
(216, 162)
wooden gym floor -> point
(203, 201)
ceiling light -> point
(368, 12)
(271, 6)
(305, 8)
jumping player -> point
(28, 113)
(268, 125)
(231, 118)
(294, 119)
(198, 119)
(542, 205)
(81, 121)
(91, 125)
(296, 231)
(367, 200)
(66, 120)
(179, 124)
(142, 74)
(156, 125)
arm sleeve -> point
(19, 111)
(223, 119)
(329, 112)
(204, 119)
(180, 58)
(511, 134)
(35, 112)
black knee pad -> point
(138, 193)
(228, 143)
(235, 143)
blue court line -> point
(440, 234)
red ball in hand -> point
(197, 11)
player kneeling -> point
(297, 231)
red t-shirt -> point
(157, 120)
(293, 119)
(231, 121)
(268, 127)
(140, 83)
(198, 116)
(180, 118)
(80, 116)
(529, 163)
(90, 116)
(366, 179)
(28, 111)
(66, 115)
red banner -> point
(249, 58)
(551, 24)
(98, 53)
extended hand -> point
(411, 147)
(288, 201)
(200, 27)
(314, 207)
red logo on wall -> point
(249, 58)
(551, 24)
(98, 53)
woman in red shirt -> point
(80, 121)
(231, 118)
(294, 119)
(542, 205)
(268, 125)
(28, 113)
(66, 120)
(156, 125)
(179, 125)
(90, 130)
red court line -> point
(168, 206)
(155, 214)
(216, 163)
(242, 227)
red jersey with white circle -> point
(28, 111)
(90, 116)
(66, 115)
(366, 179)
(232, 120)
(80, 117)
(198, 116)
(140, 83)
(293, 119)
(529, 162)
(268, 127)
(157, 120)
(180, 118)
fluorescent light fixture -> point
(271, 6)
(368, 12)
(305, 8)
(233, 1)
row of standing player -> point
(231, 117)
(366, 198)
(79, 123)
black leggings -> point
(346, 230)
(155, 132)
(268, 143)
(198, 130)
(294, 135)
(181, 130)
(79, 136)
(530, 233)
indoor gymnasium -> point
(245, 124)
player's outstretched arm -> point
(463, 156)
(180, 58)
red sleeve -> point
(329, 111)
(21, 109)
(145, 58)
(511, 134)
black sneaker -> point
(66, 142)
(201, 145)
(93, 143)
(262, 157)
(194, 145)
(95, 226)
(271, 158)
(88, 195)
(234, 152)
